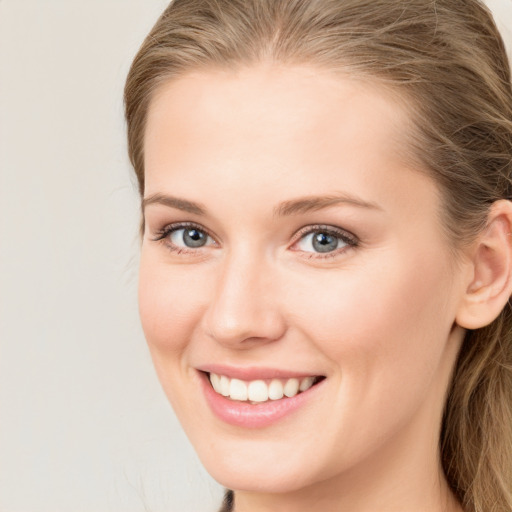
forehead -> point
(267, 134)
(274, 109)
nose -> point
(245, 309)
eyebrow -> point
(286, 208)
(174, 202)
(314, 203)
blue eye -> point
(190, 237)
(184, 237)
(324, 241)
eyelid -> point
(333, 230)
(174, 226)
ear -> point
(489, 284)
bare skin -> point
(259, 163)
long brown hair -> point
(446, 60)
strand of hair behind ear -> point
(477, 427)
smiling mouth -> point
(260, 391)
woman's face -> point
(289, 244)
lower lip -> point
(243, 414)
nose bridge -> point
(244, 307)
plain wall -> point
(84, 425)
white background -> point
(84, 425)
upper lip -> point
(253, 372)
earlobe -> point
(490, 285)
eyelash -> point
(346, 237)
(163, 234)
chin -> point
(271, 466)
(272, 478)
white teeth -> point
(306, 383)
(275, 390)
(238, 390)
(224, 385)
(258, 391)
(215, 380)
(291, 388)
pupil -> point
(323, 242)
(194, 238)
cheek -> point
(384, 330)
(171, 299)
(382, 324)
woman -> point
(326, 258)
